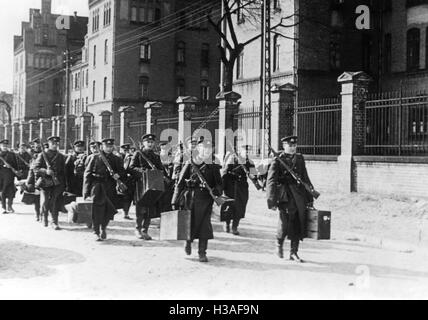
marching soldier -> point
(30, 184)
(36, 148)
(129, 181)
(138, 165)
(99, 184)
(291, 199)
(191, 194)
(75, 168)
(168, 164)
(236, 187)
(8, 171)
(182, 156)
(124, 150)
(49, 168)
(94, 147)
(24, 158)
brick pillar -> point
(86, 120)
(15, 134)
(354, 94)
(24, 132)
(32, 130)
(228, 108)
(54, 124)
(8, 131)
(152, 111)
(71, 119)
(185, 106)
(283, 113)
(44, 126)
(125, 113)
(105, 124)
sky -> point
(11, 15)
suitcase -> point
(80, 212)
(318, 224)
(149, 188)
(29, 198)
(175, 225)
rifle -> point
(254, 180)
(16, 172)
(22, 159)
(296, 177)
(49, 167)
(152, 165)
(219, 201)
(122, 188)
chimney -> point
(46, 6)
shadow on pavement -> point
(19, 260)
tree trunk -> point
(228, 77)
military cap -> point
(37, 140)
(5, 141)
(148, 137)
(108, 141)
(45, 145)
(126, 146)
(79, 143)
(289, 139)
(95, 143)
(23, 145)
(54, 139)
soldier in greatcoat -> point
(183, 155)
(138, 165)
(191, 194)
(8, 167)
(235, 181)
(129, 180)
(99, 185)
(23, 157)
(285, 194)
(49, 168)
(75, 168)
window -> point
(387, 54)
(106, 52)
(145, 50)
(205, 55)
(335, 56)
(95, 56)
(134, 11)
(276, 5)
(83, 79)
(87, 78)
(158, 11)
(181, 53)
(95, 20)
(426, 49)
(413, 47)
(276, 50)
(181, 87)
(107, 14)
(72, 82)
(145, 11)
(150, 11)
(144, 85)
(105, 88)
(42, 87)
(240, 66)
(205, 90)
(93, 91)
(87, 101)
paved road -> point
(36, 262)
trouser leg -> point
(140, 218)
(146, 223)
(37, 208)
(96, 218)
(3, 203)
(203, 246)
(294, 246)
(235, 223)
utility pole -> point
(265, 79)
(67, 61)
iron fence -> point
(249, 120)
(319, 126)
(396, 124)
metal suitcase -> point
(80, 212)
(318, 224)
(175, 225)
(149, 188)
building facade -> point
(148, 51)
(38, 62)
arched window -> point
(145, 50)
(276, 49)
(205, 90)
(144, 85)
(413, 49)
(181, 88)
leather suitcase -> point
(318, 224)
(175, 225)
(149, 188)
(80, 212)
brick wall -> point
(402, 178)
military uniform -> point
(129, 181)
(291, 199)
(100, 186)
(168, 165)
(235, 183)
(23, 159)
(30, 185)
(7, 179)
(138, 165)
(191, 195)
(50, 197)
(74, 170)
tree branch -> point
(219, 32)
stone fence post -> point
(125, 112)
(185, 106)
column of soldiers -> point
(99, 172)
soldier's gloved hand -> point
(49, 172)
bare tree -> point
(231, 47)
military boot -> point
(188, 248)
(145, 235)
(103, 234)
(294, 248)
(203, 245)
(9, 206)
(280, 248)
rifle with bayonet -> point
(219, 201)
(16, 172)
(295, 176)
